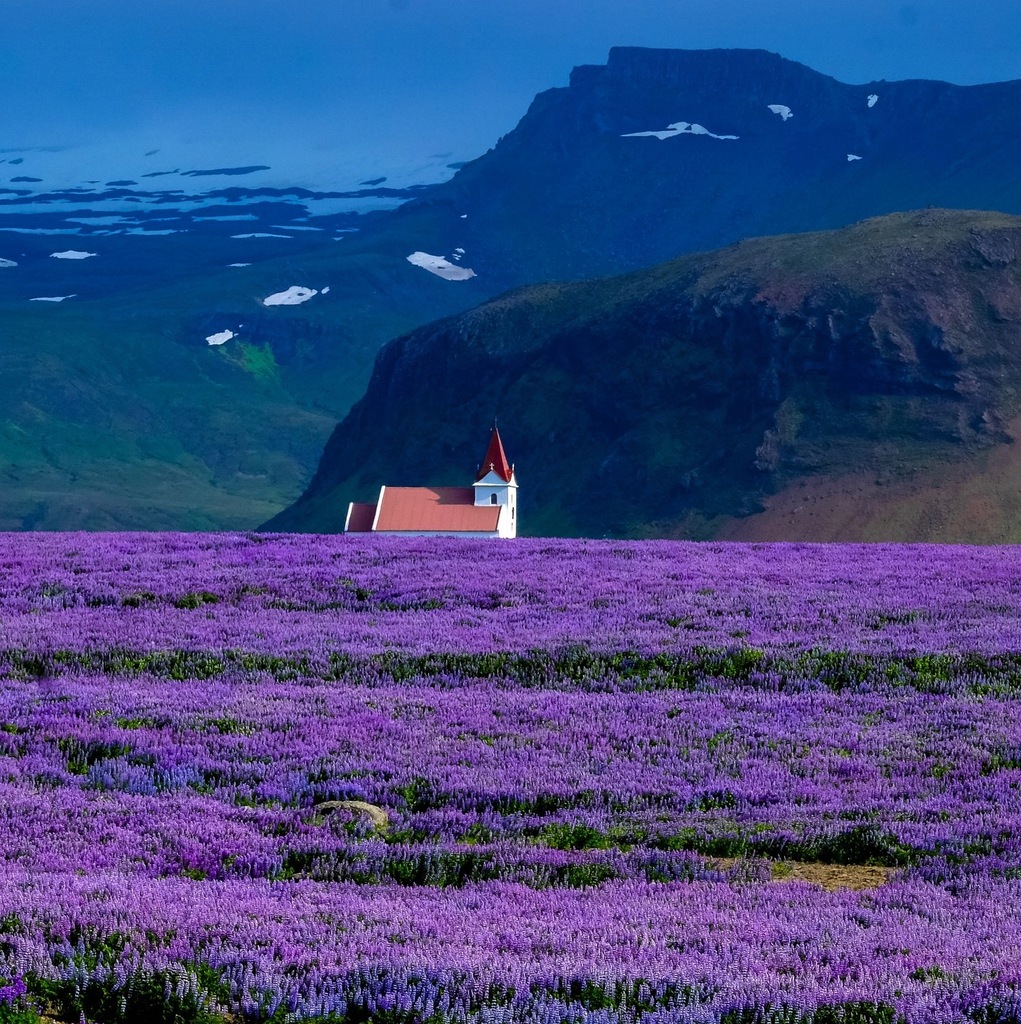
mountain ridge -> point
(917, 142)
(681, 399)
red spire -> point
(495, 460)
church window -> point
(492, 499)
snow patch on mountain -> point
(852, 156)
(228, 217)
(51, 298)
(294, 296)
(873, 98)
(678, 128)
(440, 267)
(43, 231)
(784, 111)
(8, 263)
(333, 163)
(221, 338)
(71, 254)
(114, 219)
(261, 234)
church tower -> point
(495, 484)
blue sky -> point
(392, 78)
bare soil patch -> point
(830, 877)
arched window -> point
(492, 499)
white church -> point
(489, 508)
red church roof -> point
(495, 460)
(435, 509)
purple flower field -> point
(595, 773)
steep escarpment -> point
(682, 399)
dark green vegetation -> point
(702, 669)
(680, 398)
(119, 415)
(143, 1000)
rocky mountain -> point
(858, 383)
(660, 152)
(120, 412)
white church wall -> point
(507, 526)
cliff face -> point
(683, 399)
(763, 145)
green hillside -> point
(119, 414)
(683, 399)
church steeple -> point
(495, 484)
(495, 460)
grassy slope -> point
(225, 437)
(119, 415)
(637, 405)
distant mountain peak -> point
(584, 166)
